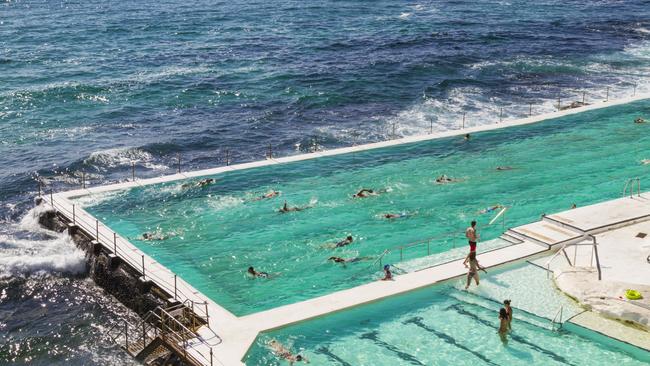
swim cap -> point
(387, 267)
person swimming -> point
(639, 120)
(201, 183)
(269, 194)
(489, 209)
(467, 137)
(251, 271)
(444, 179)
(388, 275)
(348, 260)
(154, 236)
(502, 168)
(286, 208)
(281, 351)
(400, 215)
(345, 242)
(365, 192)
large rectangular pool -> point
(210, 235)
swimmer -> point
(443, 179)
(489, 209)
(364, 193)
(639, 120)
(153, 236)
(201, 183)
(281, 351)
(467, 137)
(269, 194)
(503, 326)
(251, 271)
(348, 260)
(286, 208)
(395, 216)
(502, 168)
(347, 241)
(573, 206)
(645, 161)
(506, 305)
(388, 276)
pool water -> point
(444, 325)
(216, 232)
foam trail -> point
(119, 157)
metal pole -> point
(114, 243)
(270, 152)
(463, 120)
(143, 274)
(501, 115)
(530, 109)
(83, 179)
(607, 95)
(559, 102)
(583, 97)
(634, 92)
(97, 229)
(126, 333)
(133, 171)
(39, 187)
(430, 125)
(74, 215)
(174, 286)
(51, 197)
(227, 157)
(144, 332)
(179, 162)
(394, 135)
(597, 261)
(210, 356)
(207, 315)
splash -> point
(122, 157)
(34, 250)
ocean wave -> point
(121, 157)
(47, 252)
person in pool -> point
(281, 351)
(347, 241)
(489, 209)
(502, 168)
(388, 275)
(365, 192)
(503, 326)
(639, 120)
(265, 196)
(153, 236)
(348, 260)
(201, 183)
(286, 208)
(467, 137)
(251, 271)
(395, 216)
(444, 179)
(506, 305)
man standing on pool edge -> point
(472, 236)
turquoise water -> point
(446, 326)
(216, 232)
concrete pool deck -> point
(230, 337)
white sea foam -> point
(123, 156)
(51, 252)
(224, 202)
(98, 198)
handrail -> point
(553, 322)
(630, 184)
(594, 252)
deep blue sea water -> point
(94, 86)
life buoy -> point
(633, 295)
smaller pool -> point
(447, 326)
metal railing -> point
(161, 323)
(575, 245)
(630, 184)
(557, 319)
(128, 253)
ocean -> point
(90, 88)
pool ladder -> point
(630, 184)
(557, 319)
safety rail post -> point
(501, 115)
(144, 338)
(83, 179)
(143, 274)
(193, 315)
(530, 109)
(51, 197)
(227, 157)
(126, 334)
(394, 134)
(96, 229)
(464, 120)
(430, 126)
(607, 95)
(179, 163)
(559, 102)
(634, 91)
(583, 97)
(74, 215)
(270, 151)
(39, 187)
(597, 259)
(114, 243)
(210, 356)
(133, 171)
(207, 315)
(174, 286)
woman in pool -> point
(251, 271)
(506, 304)
(388, 276)
(472, 263)
(503, 326)
(281, 351)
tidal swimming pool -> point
(444, 325)
(214, 233)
